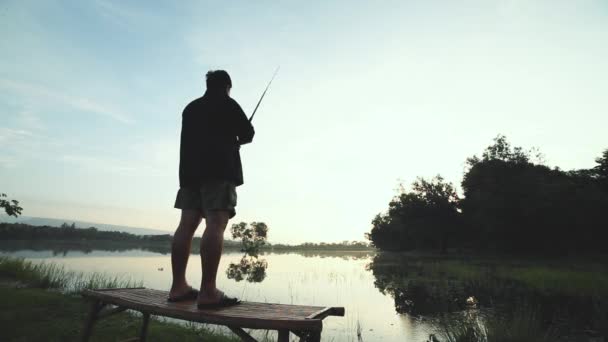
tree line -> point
(70, 232)
(22, 231)
(333, 246)
(511, 202)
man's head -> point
(218, 81)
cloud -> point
(11, 139)
(124, 15)
(100, 163)
(10, 134)
(30, 120)
(18, 144)
(34, 91)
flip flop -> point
(224, 302)
(190, 295)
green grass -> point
(581, 278)
(53, 276)
(560, 281)
(30, 312)
(550, 279)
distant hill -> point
(43, 221)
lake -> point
(333, 279)
(387, 297)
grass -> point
(53, 276)
(30, 312)
(570, 294)
(548, 279)
(560, 281)
(562, 277)
(521, 325)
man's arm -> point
(244, 129)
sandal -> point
(190, 295)
(224, 302)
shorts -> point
(212, 195)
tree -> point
(601, 170)
(502, 150)
(11, 207)
(252, 237)
(426, 217)
(511, 203)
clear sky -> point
(91, 95)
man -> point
(213, 128)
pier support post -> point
(144, 327)
(283, 335)
(96, 306)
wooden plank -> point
(246, 314)
(328, 311)
(319, 313)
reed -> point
(521, 325)
(52, 276)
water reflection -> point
(319, 253)
(421, 298)
(59, 248)
(430, 286)
(434, 287)
(250, 268)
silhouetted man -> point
(213, 128)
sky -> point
(370, 94)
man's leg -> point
(180, 250)
(212, 244)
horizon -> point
(368, 96)
(78, 224)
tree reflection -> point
(250, 268)
(416, 291)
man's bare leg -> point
(212, 244)
(180, 250)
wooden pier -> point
(303, 321)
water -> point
(387, 296)
(325, 279)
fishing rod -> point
(264, 93)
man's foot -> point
(216, 300)
(183, 294)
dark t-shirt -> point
(213, 128)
